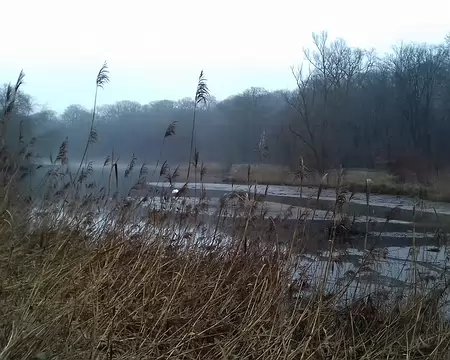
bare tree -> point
(323, 96)
(420, 73)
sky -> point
(156, 49)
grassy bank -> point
(74, 289)
(382, 182)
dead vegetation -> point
(401, 182)
(145, 299)
(86, 274)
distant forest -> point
(351, 107)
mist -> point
(351, 107)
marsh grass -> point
(162, 292)
(88, 274)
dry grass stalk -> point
(86, 276)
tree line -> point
(351, 107)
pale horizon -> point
(156, 50)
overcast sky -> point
(156, 49)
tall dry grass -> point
(158, 290)
(88, 274)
